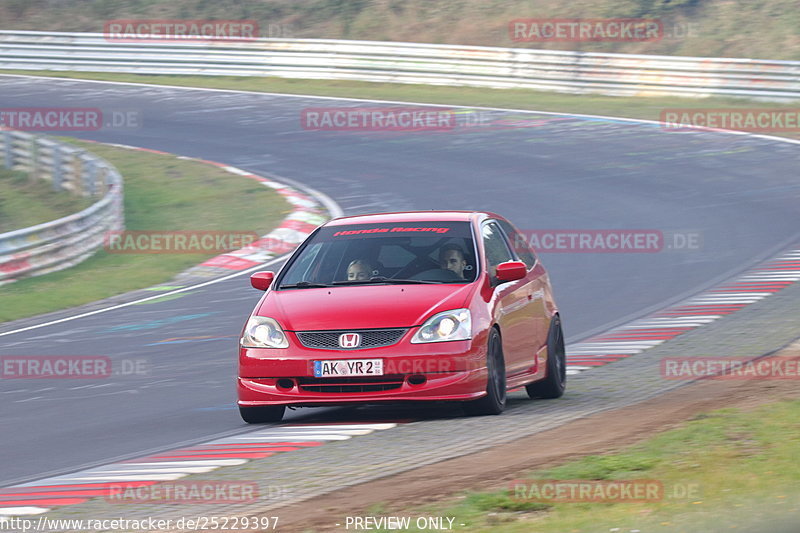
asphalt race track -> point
(739, 193)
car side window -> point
(496, 248)
(519, 243)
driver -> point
(359, 270)
(451, 257)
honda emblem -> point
(349, 340)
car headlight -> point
(455, 325)
(263, 332)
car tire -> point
(495, 400)
(262, 414)
(554, 384)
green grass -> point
(162, 193)
(648, 108)
(727, 470)
(26, 202)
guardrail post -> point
(76, 169)
(8, 145)
(104, 178)
(90, 176)
(34, 155)
(110, 175)
(58, 173)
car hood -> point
(362, 306)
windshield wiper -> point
(305, 285)
(382, 279)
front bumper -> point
(453, 370)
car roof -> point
(413, 216)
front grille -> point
(354, 384)
(370, 338)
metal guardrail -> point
(69, 240)
(562, 71)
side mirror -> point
(511, 271)
(262, 280)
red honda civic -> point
(397, 307)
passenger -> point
(451, 257)
(360, 270)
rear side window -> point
(519, 243)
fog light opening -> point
(285, 384)
(417, 379)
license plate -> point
(348, 367)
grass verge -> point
(647, 108)
(725, 470)
(27, 202)
(162, 193)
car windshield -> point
(388, 253)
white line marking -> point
(674, 325)
(27, 510)
(624, 344)
(770, 273)
(321, 431)
(101, 479)
(188, 462)
(792, 279)
(722, 301)
(299, 431)
(571, 371)
(675, 321)
(298, 436)
(603, 352)
(772, 277)
(165, 470)
(335, 427)
(735, 295)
